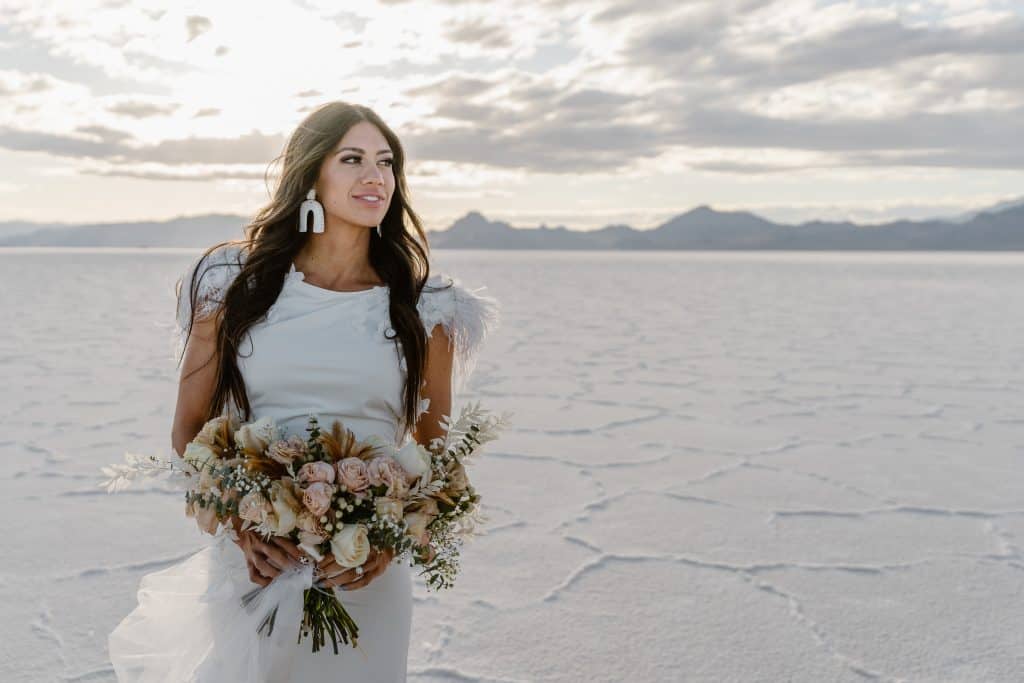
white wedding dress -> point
(319, 352)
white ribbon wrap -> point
(190, 625)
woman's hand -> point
(266, 560)
(332, 574)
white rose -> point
(414, 459)
(198, 455)
(351, 545)
(258, 435)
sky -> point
(552, 112)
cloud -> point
(857, 83)
(142, 110)
(197, 26)
(117, 147)
(485, 33)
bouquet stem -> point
(323, 614)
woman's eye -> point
(389, 162)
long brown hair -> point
(272, 241)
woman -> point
(328, 308)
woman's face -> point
(360, 164)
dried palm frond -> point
(347, 445)
(260, 463)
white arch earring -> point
(378, 230)
(317, 209)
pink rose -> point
(288, 450)
(386, 470)
(317, 497)
(313, 472)
(352, 474)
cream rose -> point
(257, 436)
(388, 507)
(285, 509)
(287, 451)
(414, 459)
(352, 474)
(313, 472)
(386, 470)
(199, 455)
(317, 497)
(210, 432)
(351, 545)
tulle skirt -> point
(190, 626)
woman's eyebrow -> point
(360, 149)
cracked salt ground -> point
(766, 474)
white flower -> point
(258, 435)
(198, 455)
(414, 459)
(351, 545)
(308, 542)
(284, 519)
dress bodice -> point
(328, 353)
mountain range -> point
(703, 228)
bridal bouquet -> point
(331, 493)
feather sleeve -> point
(468, 317)
(216, 272)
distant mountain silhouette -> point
(701, 228)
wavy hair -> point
(272, 241)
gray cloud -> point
(142, 110)
(704, 79)
(197, 26)
(37, 84)
(453, 86)
(233, 174)
(112, 146)
(694, 47)
(717, 127)
(482, 32)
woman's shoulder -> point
(201, 287)
(467, 315)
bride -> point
(327, 307)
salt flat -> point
(722, 466)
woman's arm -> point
(195, 390)
(437, 387)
